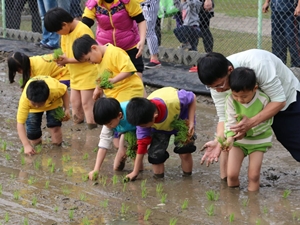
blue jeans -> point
(285, 35)
(34, 122)
(48, 38)
(189, 34)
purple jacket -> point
(114, 25)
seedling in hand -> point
(103, 80)
(57, 53)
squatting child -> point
(35, 65)
(246, 100)
(41, 94)
(83, 75)
(153, 117)
(112, 115)
(113, 64)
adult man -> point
(274, 78)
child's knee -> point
(253, 177)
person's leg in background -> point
(65, 4)
(193, 35)
(49, 40)
(36, 23)
(150, 11)
(207, 37)
(182, 33)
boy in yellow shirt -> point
(41, 94)
(82, 75)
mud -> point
(68, 199)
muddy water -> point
(68, 199)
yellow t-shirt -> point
(44, 65)
(82, 75)
(117, 60)
(133, 8)
(57, 90)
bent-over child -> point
(83, 75)
(114, 65)
(246, 100)
(41, 94)
(153, 117)
(34, 66)
(112, 115)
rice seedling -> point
(147, 214)
(85, 177)
(212, 195)
(130, 138)
(25, 221)
(7, 156)
(82, 197)
(49, 162)
(181, 126)
(57, 53)
(22, 149)
(265, 210)
(34, 201)
(6, 217)
(85, 156)
(286, 193)
(144, 192)
(163, 198)
(95, 149)
(21, 81)
(124, 186)
(124, 209)
(115, 179)
(185, 204)
(103, 180)
(13, 176)
(66, 158)
(22, 160)
(173, 221)
(17, 195)
(55, 208)
(85, 221)
(257, 222)
(143, 184)
(231, 217)
(47, 184)
(65, 190)
(37, 164)
(104, 203)
(52, 169)
(210, 210)
(4, 145)
(103, 80)
(31, 180)
(71, 214)
(59, 113)
(245, 202)
(159, 188)
(38, 148)
(70, 172)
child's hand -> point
(98, 92)
(67, 115)
(140, 47)
(228, 144)
(191, 128)
(112, 80)
(29, 150)
(131, 177)
(62, 61)
(92, 174)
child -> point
(153, 117)
(188, 34)
(35, 65)
(126, 84)
(83, 75)
(246, 100)
(112, 115)
(41, 94)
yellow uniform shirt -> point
(83, 74)
(57, 90)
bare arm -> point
(28, 149)
(66, 105)
(120, 76)
(297, 10)
(192, 110)
(265, 7)
(142, 31)
(99, 160)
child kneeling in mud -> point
(41, 94)
(112, 115)
(154, 117)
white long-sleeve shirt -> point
(274, 78)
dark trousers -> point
(285, 35)
(207, 38)
(286, 129)
(189, 34)
(14, 10)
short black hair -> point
(140, 111)
(55, 17)
(211, 67)
(18, 61)
(38, 91)
(242, 79)
(105, 110)
(82, 46)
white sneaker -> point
(185, 46)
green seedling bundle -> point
(59, 113)
(181, 126)
(102, 80)
(130, 138)
(57, 53)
